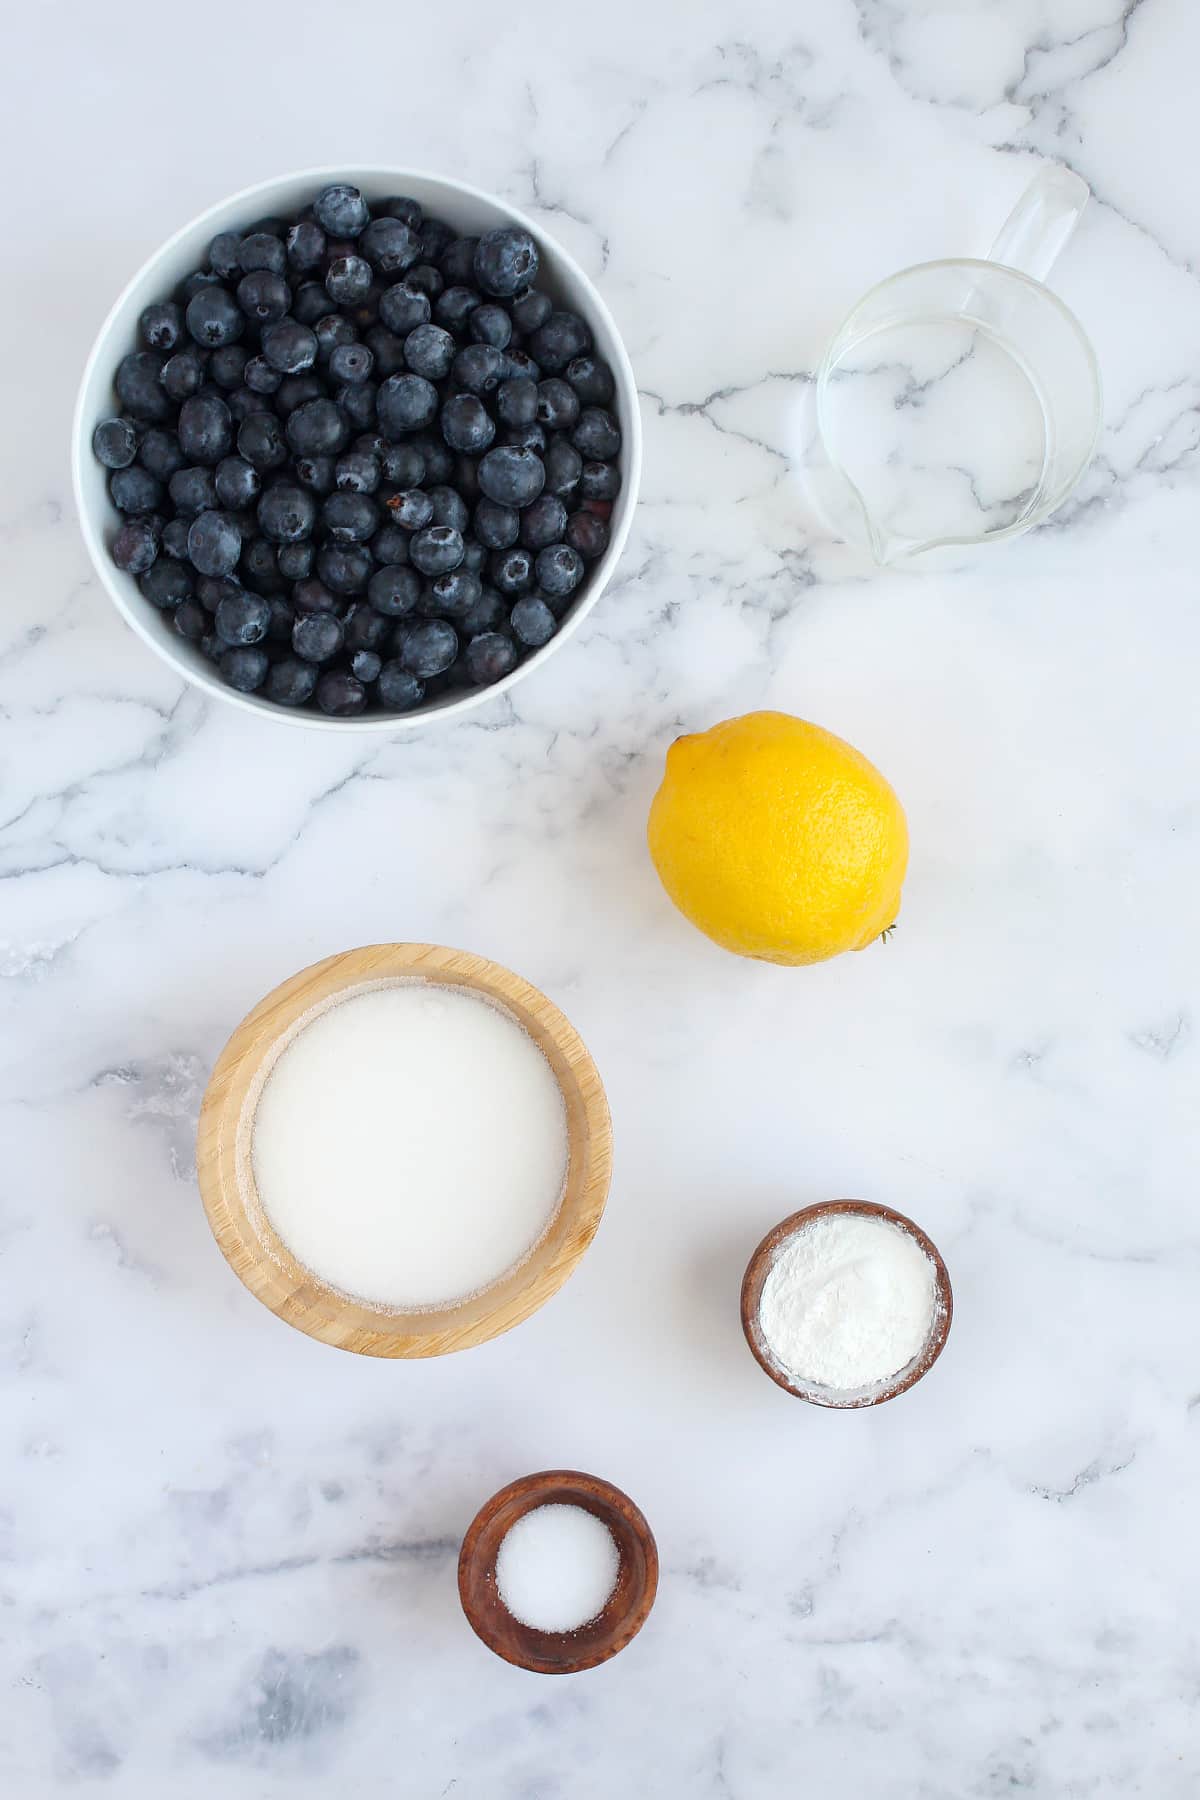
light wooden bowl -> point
(627, 1607)
(249, 1243)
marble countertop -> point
(227, 1553)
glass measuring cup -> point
(959, 402)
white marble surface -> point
(226, 1553)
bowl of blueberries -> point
(358, 448)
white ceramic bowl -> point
(468, 210)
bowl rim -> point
(599, 576)
(760, 1264)
(265, 1265)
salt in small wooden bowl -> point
(263, 1262)
(627, 1607)
(759, 1267)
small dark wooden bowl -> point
(759, 1267)
(558, 1652)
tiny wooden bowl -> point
(627, 1608)
(759, 1267)
(263, 1262)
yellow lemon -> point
(778, 840)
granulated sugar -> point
(848, 1302)
(410, 1145)
(556, 1567)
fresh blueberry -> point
(238, 483)
(411, 508)
(223, 254)
(175, 537)
(245, 667)
(496, 526)
(356, 472)
(167, 583)
(349, 518)
(436, 550)
(287, 513)
(425, 279)
(195, 283)
(525, 437)
(399, 691)
(405, 403)
(449, 507)
(291, 681)
(403, 307)
(243, 401)
(347, 280)
(544, 522)
(358, 402)
(438, 458)
(260, 250)
(135, 547)
(260, 440)
(310, 302)
(429, 351)
(455, 594)
(205, 429)
(587, 534)
(365, 627)
(214, 543)
(213, 318)
(517, 401)
(390, 544)
(190, 620)
(390, 245)
(305, 245)
(488, 612)
(512, 570)
(387, 351)
(192, 491)
(365, 666)
(474, 556)
(283, 617)
(479, 368)
(350, 363)
(429, 649)
(490, 324)
(597, 436)
(454, 306)
(243, 617)
(592, 380)
(559, 570)
(558, 404)
(345, 568)
(259, 568)
(489, 657)
(212, 589)
(506, 261)
(340, 210)
(311, 595)
(340, 694)
(289, 346)
(512, 476)
(436, 239)
(115, 443)
(563, 337)
(533, 623)
(296, 390)
(400, 206)
(160, 326)
(521, 367)
(394, 591)
(139, 388)
(466, 422)
(317, 429)
(183, 373)
(600, 481)
(296, 561)
(457, 262)
(227, 366)
(212, 647)
(530, 311)
(264, 297)
(317, 636)
(316, 472)
(160, 453)
(134, 490)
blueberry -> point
(474, 556)
(317, 636)
(563, 337)
(365, 666)
(245, 668)
(411, 508)
(558, 404)
(466, 422)
(340, 694)
(296, 561)
(295, 390)
(341, 210)
(260, 250)
(304, 245)
(135, 490)
(455, 594)
(600, 481)
(438, 457)
(192, 490)
(175, 537)
(135, 547)
(345, 568)
(264, 297)
(316, 472)
(525, 437)
(400, 206)
(347, 280)
(559, 570)
(387, 351)
(449, 508)
(259, 569)
(457, 262)
(214, 543)
(592, 380)
(390, 544)
(513, 477)
(237, 482)
(479, 368)
(213, 318)
(139, 389)
(160, 326)
(436, 239)
(115, 443)
(205, 429)
(512, 570)
(358, 402)
(160, 453)
(429, 649)
(454, 306)
(437, 549)
(489, 657)
(496, 526)
(490, 324)
(167, 583)
(260, 440)
(522, 367)
(597, 436)
(587, 534)
(531, 310)
(183, 373)
(425, 279)
(544, 522)
(195, 283)
(287, 512)
(403, 307)
(212, 589)
(398, 690)
(212, 647)
(190, 620)
(390, 245)
(350, 363)
(349, 518)
(243, 617)
(517, 401)
(357, 472)
(394, 591)
(227, 366)
(244, 401)
(488, 612)
(365, 627)
(317, 429)
(429, 351)
(223, 254)
(310, 302)
(506, 261)
(405, 403)
(291, 681)
(289, 346)
(310, 596)
(533, 623)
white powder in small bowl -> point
(848, 1303)
(556, 1567)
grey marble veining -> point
(227, 1554)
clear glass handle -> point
(1039, 225)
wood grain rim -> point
(264, 1264)
(759, 1267)
(627, 1609)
